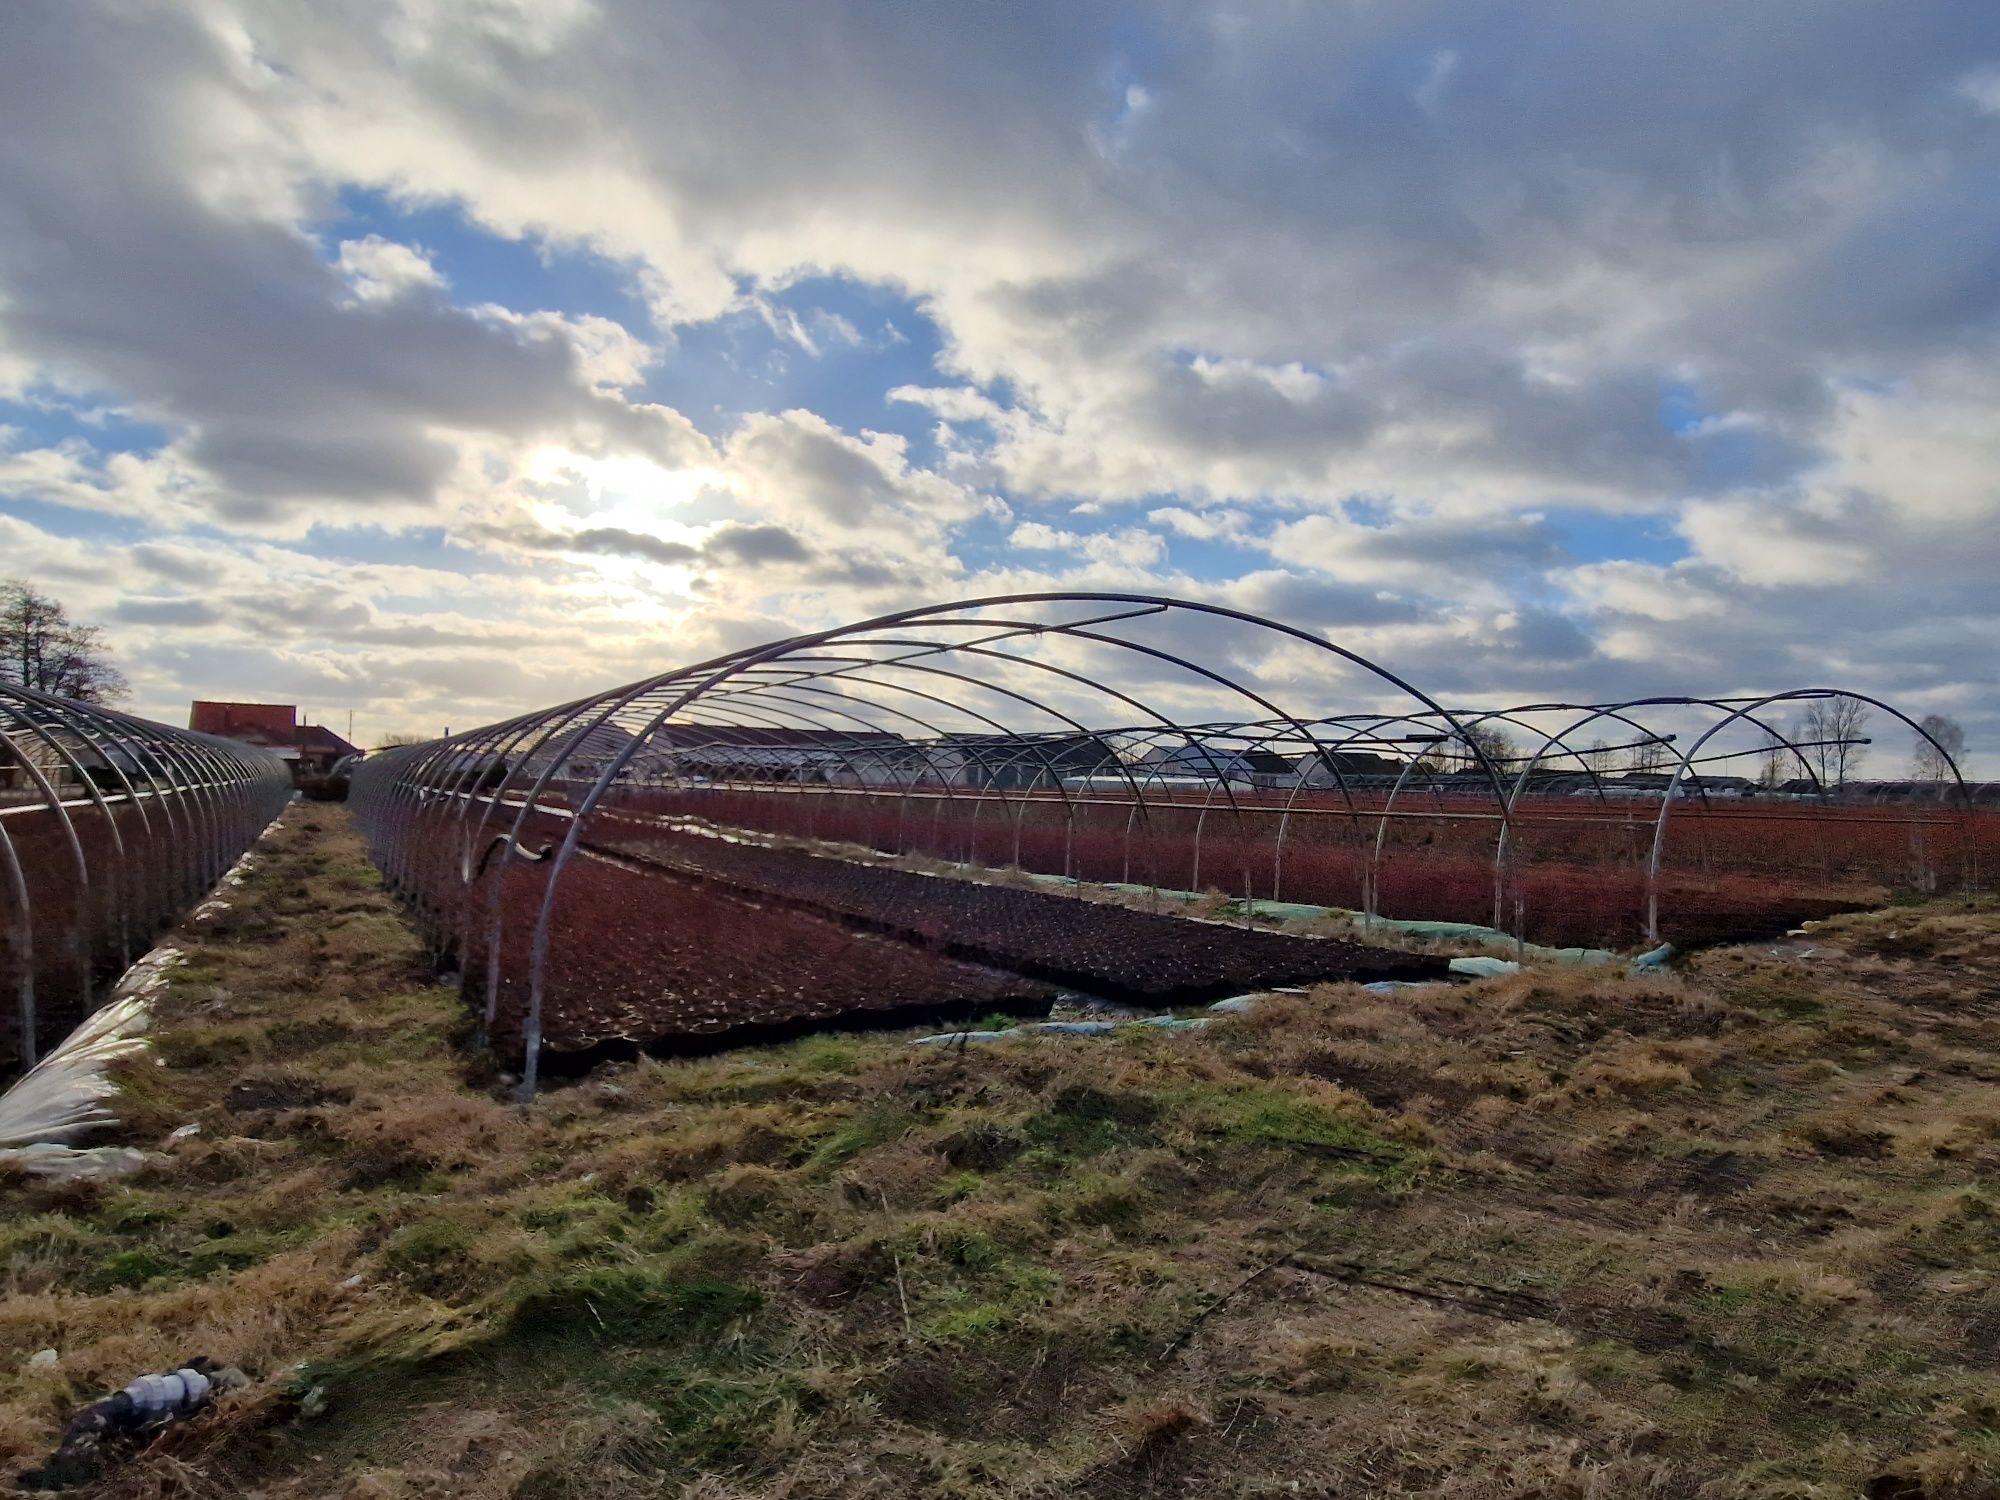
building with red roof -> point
(312, 749)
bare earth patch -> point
(1725, 1234)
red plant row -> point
(639, 955)
(1576, 871)
(1107, 950)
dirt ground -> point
(1730, 1232)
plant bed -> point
(1150, 958)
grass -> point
(1731, 1234)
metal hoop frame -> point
(145, 818)
(1010, 711)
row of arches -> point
(110, 827)
(1080, 735)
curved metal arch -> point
(803, 692)
(1502, 858)
(943, 781)
(84, 891)
(77, 938)
(1743, 713)
(995, 724)
(212, 798)
(106, 727)
(725, 669)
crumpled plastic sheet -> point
(66, 1093)
(1471, 932)
(63, 1095)
(60, 1163)
(1483, 968)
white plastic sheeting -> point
(65, 1094)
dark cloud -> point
(752, 545)
(731, 545)
(123, 273)
(614, 541)
(168, 612)
(177, 562)
(1320, 603)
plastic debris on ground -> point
(1655, 959)
(1114, 1008)
(1235, 1005)
(1060, 1028)
(959, 1038)
(91, 1437)
(1484, 968)
(63, 1095)
(59, 1163)
(1128, 888)
(1792, 948)
(1471, 932)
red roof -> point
(319, 737)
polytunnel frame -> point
(680, 689)
(1744, 711)
(800, 684)
(213, 796)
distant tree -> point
(1933, 762)
(1599, 756)
(41, 647)
(1488, 739)
(1831, 736)
(1774, 758)
(391, 741)
(1649, 757)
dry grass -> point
(1726, 1235)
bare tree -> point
(1934, 758)
(41, 647)
(1649, 756)
(1490, 740)
(1598, 755)
(1774, 758)
(391, 741)
(1832, 735)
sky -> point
(431, 360)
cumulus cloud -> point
(381, 270)
(155, 252)
(1371, 296)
